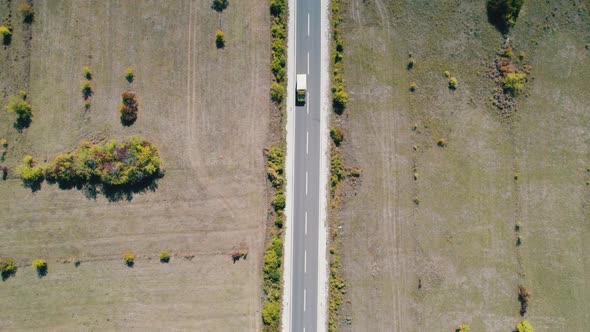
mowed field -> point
(205, 109)
(453, 258)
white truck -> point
(301, 88)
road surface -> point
(306, 169)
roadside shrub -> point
(272, 261)
(22, 109)
(277, 7)
(279, 201)
(279, 220)
(41, 266)
(277, 92)
(441, 142)
(87, 72)
(164, 256)
(86, 87)
(340, 101)
(30, 173)
(129, 258)
(220, 39)
(413, 86)
(503, 13)
(453, 83)
(219, 5)
(337, 135)
(26, 12)
(130, 74)
(337, 168)
(514, 82)
(524, 326)
(128, 108)
(271, 312)
(7, 267)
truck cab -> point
(301, 88)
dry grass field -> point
(205, 109)
(453, 257)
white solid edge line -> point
(290, 129)
(324, 162)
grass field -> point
(205, 109)
(453, 257)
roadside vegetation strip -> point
(338, 170)
(273, 256)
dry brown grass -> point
(207, 112)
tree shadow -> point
(6, 40)
(42, 271)
(21, 123)
(8, 274)
(128, 121)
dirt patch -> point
(205, 109)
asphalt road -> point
(306, 177)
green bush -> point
(22, 109)
(7, 267)
(337, 135)
(129, 74)
(463, 328)
(447, 73)
(453, 83)
(41, 266)
(128, 108)
(277, 7)
(503, 13)
(164, 256)
(220, 39)
(514, 82)
(87, 72)
(5, 31)
(277, 92)
(271, 313)
(413, 86)
(86, 87)
(219, 5)
(129, 258)
(524, 326)
(26, 12)
(279, 220)
(337, 168)
(30, 173)
(279, 201)
(340, 101)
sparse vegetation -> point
(220, 39)
(26, 12)
(275, 163)
(219, 5)
(337, 135)
(129, 258)
(524, 326)
(7, 267)
(164, 256)
(22, 109)
(128, 108)
(337, 169)
(130, 74)
(514, 82)
(277, 92)
(441, 142)
(463, 328)
(524, 297)
(41, 266)
(447, 73)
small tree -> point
(413, 86)
(279, 201)
(41, 266)
(30, 173)
(7, 267)
(129, 258)
(453, 83)
(340, 101)
(129, 74)
(87, 72)
(220, 39)
(26, 12)
(128, 108)
(22, 109)
(514, 82)
(164, 257)
(219, 5)
(503, 13)
(6, 32)
(524, 326)
(86, 87)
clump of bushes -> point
(337, 168)
(524, 326)
(22, 109)
(503, 13)
(514, 82)
(413, 86)
(220, 39)
(164, 256)
(340, 101)
(275, 163)
(219, 5)
(86, 87)
(7, 268)
(272, 270)
(128, 108)
(453, 83)
(337, 135)
(26, 12)
(41, 266)
(129, 258)
(279, 201)
(31, 173)
(129, 74)
(277, 92)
